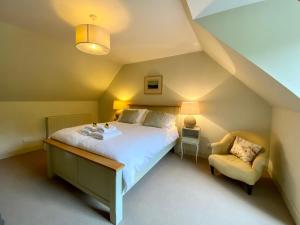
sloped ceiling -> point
(140, 30)
(270, 39)
(204, 8)
(38, 60)
(254, 76)
(37, 67)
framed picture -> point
(153, 85)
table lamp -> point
(119, 106)
(190, 109)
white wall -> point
(226, 103)
(22, 124)
(285, 155)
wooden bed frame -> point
(94, 174)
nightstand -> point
(190, 136)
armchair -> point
(232, 166)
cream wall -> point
(22, 124)
(285, 122)
(285, 154)
(226, 103)
(39, 75)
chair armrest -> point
(260, 162)
(218, 148)
(222, 146)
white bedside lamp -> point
(190, 109)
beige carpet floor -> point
(174, 192)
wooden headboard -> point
(162, 108)
(55, 123)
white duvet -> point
(135, 147)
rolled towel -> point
(97, 135)
(85, 132)
(90, 128)
(106, 130)
(103, 136)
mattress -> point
(136, 147)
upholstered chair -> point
(234, 167)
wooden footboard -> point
(94, 174)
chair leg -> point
(249, 189)
(212, 170)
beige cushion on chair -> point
(234, 168)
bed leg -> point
(116, 206)
(50, 172)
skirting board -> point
(292, 208)
(18, 152)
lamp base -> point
(189, 121)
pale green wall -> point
(267, 34)
(226, 103)
(22, 124)
(285, 154)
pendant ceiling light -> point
(92, 39)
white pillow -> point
(159, 120)
(141, 117)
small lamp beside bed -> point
(119, 106)
(190, 109)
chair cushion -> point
(234, 168)
(245, 150)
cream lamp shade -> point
(190, 109)
(118, 105)
(92, 39)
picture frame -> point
(153, 85)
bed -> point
(96, 173)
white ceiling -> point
(141, 29)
